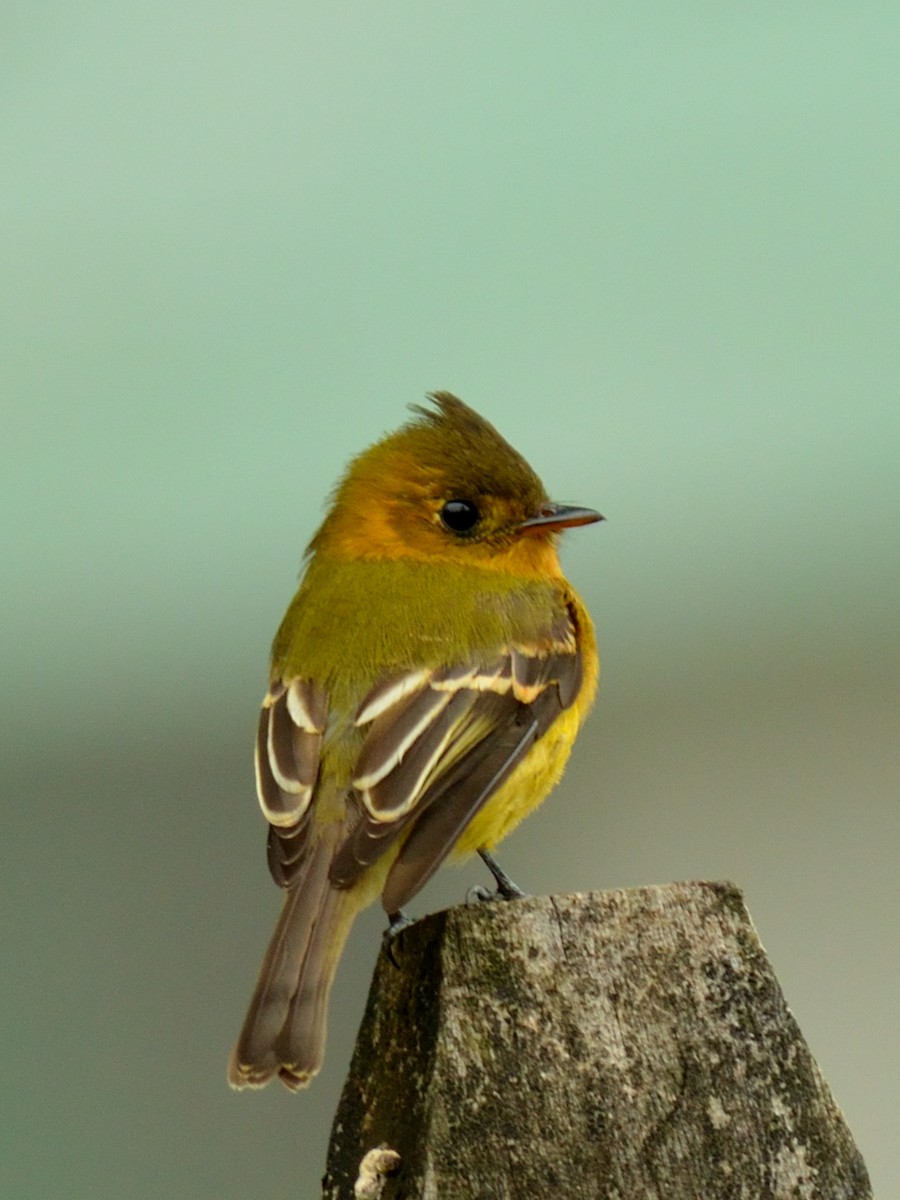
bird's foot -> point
(398, 922)
(506, 889)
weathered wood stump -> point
(632, 1045)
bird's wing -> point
(288, 749)
(439, 743)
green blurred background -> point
(658, 247)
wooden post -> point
(633, 1045)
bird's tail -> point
(284, 1030)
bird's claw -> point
(478, 893)
(506, 889)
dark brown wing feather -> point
(288, 749)
(286, 851)
(387, 809)
(436, 832)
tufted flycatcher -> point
(426, 686)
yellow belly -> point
(532, 780)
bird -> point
(426, 686)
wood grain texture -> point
(633, 1045)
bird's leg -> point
(398, 921)
(506, 889)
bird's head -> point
(447, 487)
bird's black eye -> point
(460, 516)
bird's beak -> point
(559, 516)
